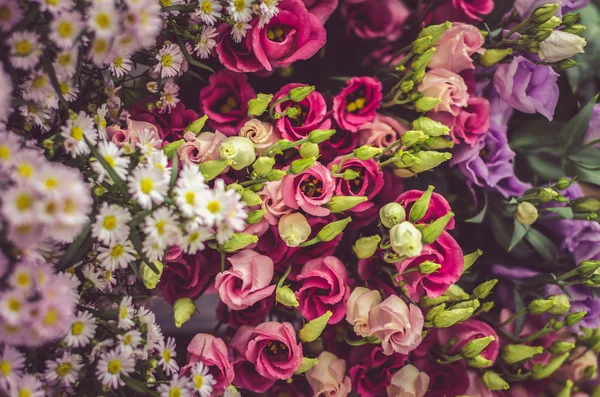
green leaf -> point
(138, 386)
(535, 136)
(481, 215)
(259, 105)
(189, 58)
(118, 182)
(519, 232)
(573, 133)
(470, 259)
(65, 260)
(174, 172)
(564, 212)
(545, 165)
(519, 305)
(542, 245)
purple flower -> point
(528, 87)
(593, 131)
(583, 299)
(526, 7)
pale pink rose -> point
(408, 381)
(359, 304)
(397, 325)
(247, 281)
(273, 203)
(575, 370)
(137, 127)
(198, 149)
(446, 86)
(327, 377)
(381, 132)
(262, 134)
(118, 135)
(455, 48)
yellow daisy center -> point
(23, 280)
(160, 227)
(24, 201)
(51, 318)
(51, 183)
(64, 87)
(127, 340)
(77, 328)
(5, 368)
(213, 206)
(167, 60)
(124, 313)
(64, 369)
(25, 170)
(65, 58)
(5, 13)
(14, 305)
(52, 2)
(239, 5)
(110, 160)
(39, 82)
(198, 381)
(23, 47)
(146, 185)
(175, 392)
(167, 355)
(206, 7)
(165, 3)
(100, 46)
(114, 367)
(4, 152)
(110, 222)
(65, 29)
(118, 62)
(77, 133)
(193, 237)
(117, 251)
(24, 393)
(103, 20)
(189, 197)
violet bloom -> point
(528, 87)
(593, 130)
(526, 7)
(583, 299)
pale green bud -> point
(434, 311)
(487, 306)
(251, 198)
(561, 347)
(586, 204)
(339, 204)
(239, 241)
(407, 86)
(366, 152)
(406, 239)
(436, 228)
(309, 149)
(263, 165)
(212, 168)
(551, 23)
(255, 216)
(412, 138)
(493, 56)
(237, 187)
(365, 247)
(541, 371)
(419, 64)
(429, 159)
(421, 206)
(318, 136)
(313, 329)
(275, 175)
(421, 44)
(450, 317)
(307, 363)
(493, 381)
(438, 143)
(238, 151)
(566, 391)
(470, 259)
(484, 289)
(544, 13)
(429, 267)
(591, 371)
(546, 194)
(575, 29)
(301, 165)
(392, 214)
(479, 362)
(259, 105)
(299, 93)
(293, 229)
(172, 147)
(349, 174)
(426, 301)
(571, 19)
(430, 126)
(469, 304)
(513, 354)
(435, 31)
(526, 213)
(183, 310)
(333, 229)
(196, 126)
(539, 306)
(474, 347)
(286, 296)
(150, 278)
(426, 104)
(574, 318)
(561, 305)
(456, 293)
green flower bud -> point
(469, 304)
(237, 187)
(259, 105)
(563, 183)
(392, 214)
(299, 93)
(438, 143)
(366, 152)
(551, 23)
(421, 206)
(448, 318)
(255, 216)
(513, 354)
(349, 174)
(421, 44)
(493, 56)
(212, 168)
(412, 138)
(429, 159)
(365, 247)
(298, 166)
(470, 259)
(313, 329)
(430, 127)
(196, 126)
(561, 347)
(546, 194)
(436, 228)
(425, 104)
(526, 213)
(263, 165)
(238, 151)
(239, 241)
(540, 371)
(544, 13)
(434, 311)
(571, 19)
(318, 136)
(539, 306)
(339, 204)
(307, 363)
(406, 239)
(493, 381)
(479, 362)
(172, 147)
(150, 278)
(586, 204)
(419, 64)
(426, 301)
(484, 289)
(286, 296)
(428, 267)
(487, 306)
(568, 64)
(474, 347)
(456, 293)
(183, 310)
(309, 149)
(574, 318)
(333, 229)
(575, 29)
(591, 371)
(275, 175)
(407, 86)
(561, 305)
(250, 198)
(435, 31)
(291, 112)
(543, 34)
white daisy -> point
(149, 143)
(161, 227)
(153, 332)
(153, 250)
(112, 154)
(239, 30)
(148, 185)
(117, 255)
(111, 224)
(64, 371)
(129, 341)
(169, 3)
(212, 210)
(189, 189)
(74, 132)
(169, 98)
(206, 42)
(69, 90)
(92, 274)
(100, 50)
(27, 164)
(13, 306)
(268, 9)
(144, 21)
(82, 330)
(109, 277)
(10, 146)
(167, 354)
(66, 63)
(11, 366)
(126, 313)
(65, 28)
(202, 380)
(25, 49)
(112, 365)
(152, 87)
(193, 240)
(10, 14)
(37, 87)
(36, 115)
(120, 66)
(239, 10)
(224, 233)
(209, 11)
(176, 387)
(100, 120)
(55, 6)
(170, 61)
(28, 386)
(100, 348)
(103, 19)
(20, 204)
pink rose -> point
(446, 86)
(408, 382)
(373, 19)
(262, 134)
(311, 115)
(170, 125)
(446, 252)
(185, 276)
(241, 57)
(472, 121)
(360, 303)
(322, 9)
(460, 11)
(367, 184)
(247, 281)
(198, 149)
(225, 101)
(455, 48)
(397, 325)
(212, 352)
(371, 370)
(273, 202)
(324, 287)
(357, 104)
(309, 190)
(381, 132)
(131, 135)
(461, 334)
(438, 206)
(271, 347)
(327, 378)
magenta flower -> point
(373, 19)
(464, 333)
(357, 104)
(212, 352)
(309, 190)
(438, 206)
(368, 183)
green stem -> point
(513, 317)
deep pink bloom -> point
(368, 184)
(444, 251)
(342, 142)
(460, 11)
(184, 276)
(472, 121)
(456, 47)
(463, 333)
(324, 286)
(371, 370)
(438, 206)
(309, 190)
(381, 132)
(373, 19)
(212, 352)
(247, 281)
(170, 125)
(357, 104)
(322, 9)
(241, 57)
(272, 347)
(311, 116)
(225, 101)
(253, 315)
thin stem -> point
(513, 317)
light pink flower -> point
(327, 377)
(359, 305)
(455, 48)
(309, 190)
(397, 325)
(212, 352)
(262, 134)
(408, 382)
(381, 132)
(446, 86)
(198, 149)
(273, 202)
(247, 281)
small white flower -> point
(100, 50)
(100, 120)
(239, 30)
(92, 274)
(103, 19)
(148, 185)
(116, 256)
(149, 143)
(211, 210)
(169, 98)
(120, 66)
(20, 204)
(11, 366)
(153, 250)
(27, 163)
(29, 386)
(170, 60)
(65, 28)
(69, 90)
(161, 228)
(202, 380)
(13, 306)
(268, 9)
(206, 42)
(111, 224)
(74, 132)
(193, 240)
(154, 334)
(64, 371)
(209, 11)
(144, 21)
(112, 154)
(25, 49)
(38, 87)
(10, 14)
(82, 330)
(167, 354)
(176, 387)
(66, 62)
(239, 10)
(112, 365)
(189, 189)
(126, 313)
(129, 341)
(55, 6)
(100, 348)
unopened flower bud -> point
(148, 275)
(493, 381)
(574, 318)
(196, 126)
(571, 19)
(436, 228)
(560, 305)
(239, 241)
(421, 44)
(238, 151)
(318, 136)
(392, 214)
(431, 127)
(307, 363)
(586, 204)
(591, 371)
(561, 45)
(425, 104)
(493, 56)
(588, 267)
(286, 296)
(255, 216)
(313, 329)
(183, 310)
(407, 86)
(575, 29)
(419, 64)
(427, 302)
(476, 346)
(263, 165)
(251, 198)
(333, 229)
(275, 175)
(456, 294)
(541, 371)
(484, 289)
(487, 306)
(259, 105)
(309, 149)
(429, 267)
(349, 174)
(435, 31)
(551, 23)
(546, 194)
(448, 318)
(526, 213)
(513, 354)
(412, 138)
(339, 204)
(406, 239)
(434, 311)
(212, 168)
(421, 206)
(365, 247)
(366, 152)
(479, 362)
(301, 165)
(560, 347)
(299, 93)
(170, 149)
(544, 13)
(539, 306)
(293, 229)
(429, 159)
(468, 304)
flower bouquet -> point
(389, 198)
